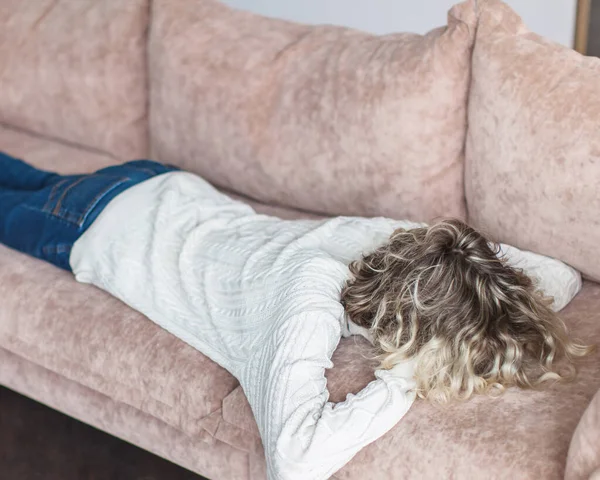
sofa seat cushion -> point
(522, 434)
(92, 338)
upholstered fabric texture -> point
(584, 454)
(91, 338)
(319, 118)
(51, 155)
(76, 70)
(533, 148)
(66, 159)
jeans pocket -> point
(73, 199)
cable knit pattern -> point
(260, 296)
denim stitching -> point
(56, 209)
(49, 214)
(46, 207)
(58, 212)
(78, 219)
(98, 197)
(69, 217)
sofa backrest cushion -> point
(75, 70)
(533, 145)
(320, 118)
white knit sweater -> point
(259, 296)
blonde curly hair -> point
(442, 295)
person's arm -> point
(305, 436)
(553, 277)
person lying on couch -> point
(449, 314)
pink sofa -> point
(284, 114)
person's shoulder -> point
(317, 277)
(320, 322)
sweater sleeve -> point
(305, 436)
(553, 277)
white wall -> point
(552, 18)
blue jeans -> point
(43, 213)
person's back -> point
(257, 294)
(177, 249)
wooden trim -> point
(582, 25)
